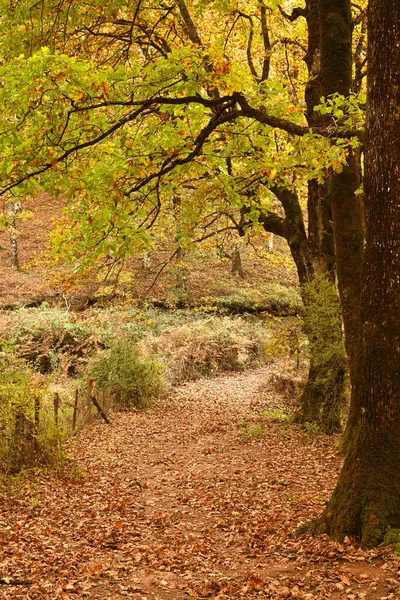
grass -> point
(251, 432)
(276, 415)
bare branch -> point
(266, 41)
(189, 25)
(359, 61)
(250, 61)
(360, 17)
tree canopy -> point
(124, 108)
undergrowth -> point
(274, 299)
(207, 348)
(122, 374)
(133, 355)
(29, 433)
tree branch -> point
(188, 22)
(262, 117)
(223, 112)
(273, 223)
(266, 42)
(249, 49)
(296, 13)
(169, 165)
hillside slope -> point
(205, 273)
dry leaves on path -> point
(174, 504)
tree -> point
(163, 94)
(366, 501)
(336, 26)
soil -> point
(186, 500)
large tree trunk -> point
(366, 500)
(335, 26)
(322, 399)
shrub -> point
(287, 340)
(122, 373)
(45, 336)
(28, 435)
(208, 347)
(392, 538)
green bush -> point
(251, 432)
(123, 374)
(28, 435)
(392, 539)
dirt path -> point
(173, 504)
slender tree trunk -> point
(13, 209)
(366, 501)
(237, 268)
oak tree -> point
(128, 107)
(366, 501)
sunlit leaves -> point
(349, 112)
(74, 117)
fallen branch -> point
(93, 398)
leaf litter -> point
(172, 503)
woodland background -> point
(192, 189)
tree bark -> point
(322, 398)
(366, 501)
(237, 268)
(13, 209)
(335, 25)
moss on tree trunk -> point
(366, 501)
(322, 399)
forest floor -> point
(185, 500)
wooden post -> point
(36, 423)
(56, 403)
(74, 414)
